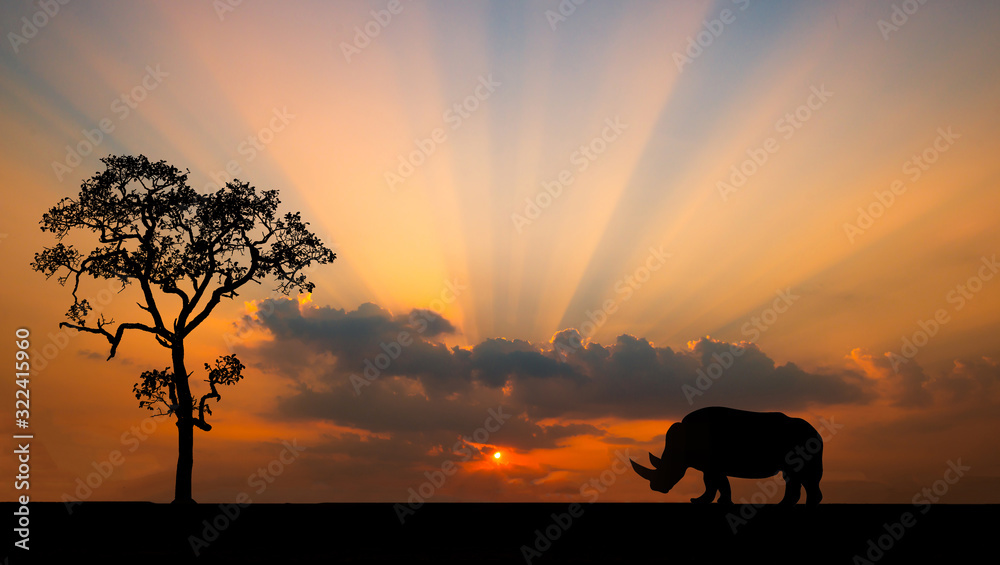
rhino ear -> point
(643, 472)
(656, 461)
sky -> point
(559, 228)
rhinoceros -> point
(725, 442)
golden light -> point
(496, 455)
(251, 308)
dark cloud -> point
(383, 372)
(969, 379)
(495, 361)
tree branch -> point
(116, 338)
(228, 288)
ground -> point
(501, 533)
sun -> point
(496, 455)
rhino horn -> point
(643, 472)
(656, 461)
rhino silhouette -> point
(725, 442)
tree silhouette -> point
(180, 247)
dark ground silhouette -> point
(507, 533)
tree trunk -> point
(185, 462)
(185, 428)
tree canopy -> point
(156, 231)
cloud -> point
(384, 372)
(904, 385)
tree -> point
(187, 252)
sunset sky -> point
(573, 215)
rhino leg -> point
(725, 492)
(713, 484)
(793, 489)
(813, 494)
(811, 475)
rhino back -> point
(740, 443)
